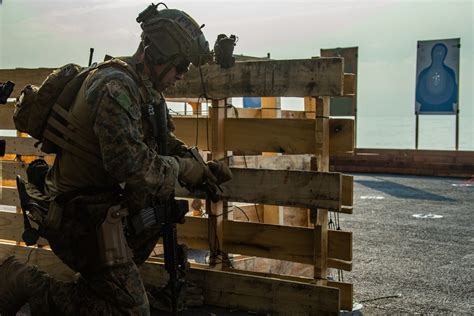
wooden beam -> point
(289, 136)
(23, 76)
(10, 169)
(6, 115)
(255, 293)
(242, 135)
(346, 289)
(284, 187)
(275, 187)
(282, 242)
(349, 84)
(194, 131)
(347, 190)
(321, 220)
(250, 239)
(290, 162)
(9, 196)
(217, 114)
(271, 108)
(341, 135)
(22, 146)
(282, 78)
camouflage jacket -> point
(109, 106)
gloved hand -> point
(220, 171)
(192, 173)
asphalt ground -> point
(412, 264)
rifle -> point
(175, 256)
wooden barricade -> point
(244, 133)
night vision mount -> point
(223, 46)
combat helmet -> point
(172, 36)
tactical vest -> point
(79, 163)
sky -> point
(46, 33)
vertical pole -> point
(416, 130)
(321, 218)
(457, 128)
(271, 108)
(217, 115)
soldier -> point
(110, 112)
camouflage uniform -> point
(108, 106)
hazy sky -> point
(36, 33)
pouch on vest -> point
(36, 103)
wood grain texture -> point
(23, 76)
(250, 239)
(255, 293)
(275, 187)
(22, 146)
(6, 116)
(275, 78)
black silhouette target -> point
(437, 77)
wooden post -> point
(197, 108)
(216, 210)
(271, 108)
(321, 220)
(417, 129)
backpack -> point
(34, 109)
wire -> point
(29, 254)
(240, 209)
(381, 298)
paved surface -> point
(420, 265)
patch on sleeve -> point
(120, 94)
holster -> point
(111, 240)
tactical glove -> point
(192, 173)
(220, 171)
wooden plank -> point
(347, 190)
(10, 169)
(341, 135)
(258, 135)
(271, 108)
(289, 136)
(252, 239)
(346, 293)
(221, 288)
(346, 289)
(290, 162)
(284, 187)
(349, 84)
(194, 130)
(321, 218)
(255, 293)
(22, 146)
(275, 187)
(269, 241)
(6, 115)
(23, 76)
(216, 210)
(285, 78)
(282, 242)
(9, 196)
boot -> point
(18, 282)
